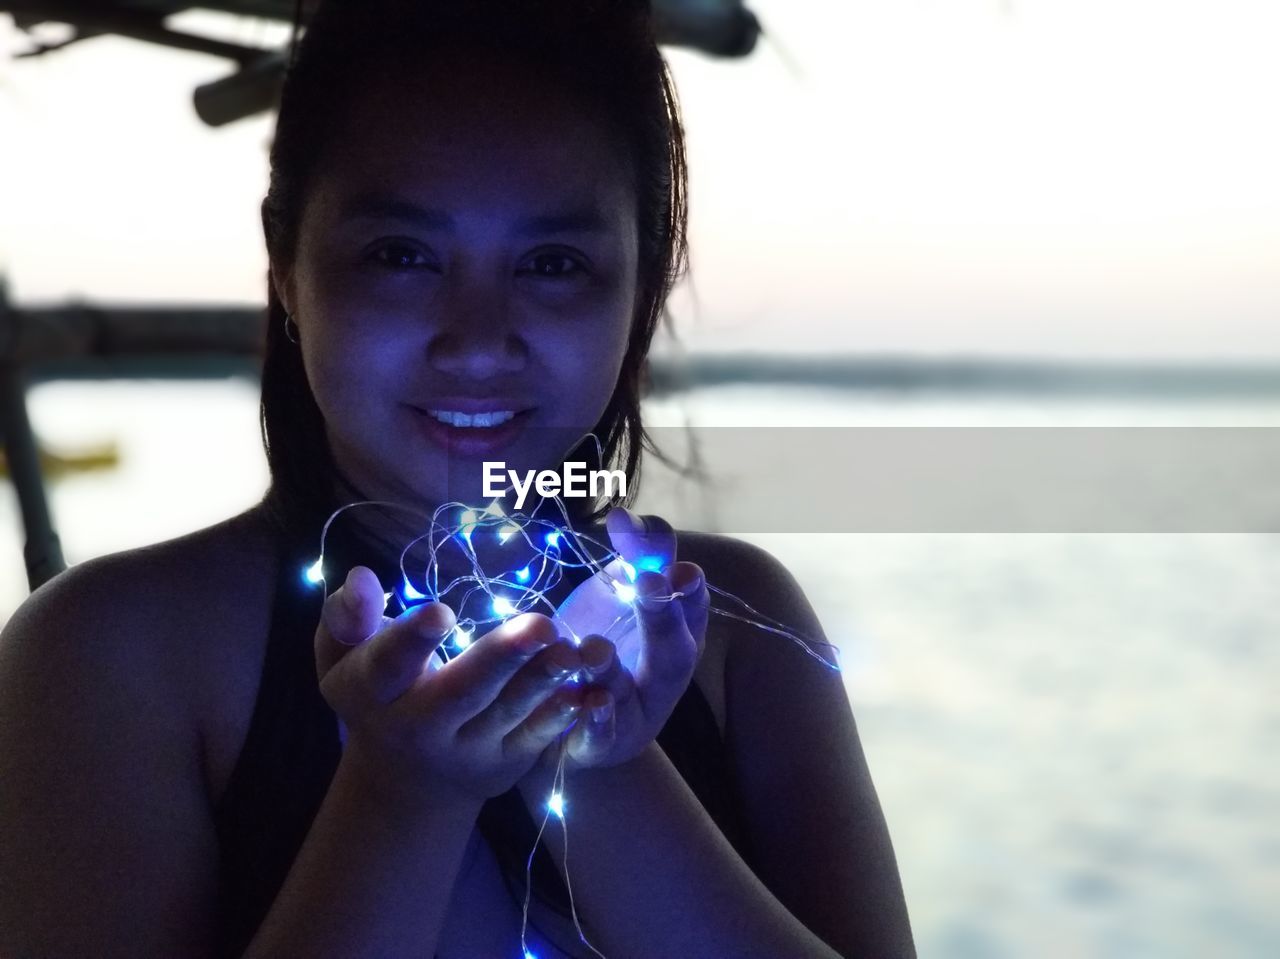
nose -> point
(474, 336)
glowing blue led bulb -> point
(528, 955)
(651, 563)
(555, 802)
(506, 532)
(626, 592)
(314, 574)
(552, 538)
(522, 575)
(411, 595)
(503, 606)
(461, 637)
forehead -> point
(476, 136)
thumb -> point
(351, 614)
(647, 543)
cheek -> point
(584, 364)
(347, 348)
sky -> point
(1047, 178)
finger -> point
(603, 669)
(391, 662)
(593, 736)
(668, 651)
(646, 542)
(690, 582)
(351, 614)
(527, 741)
(528, 689)
(471, 682)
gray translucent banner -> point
(969, 479)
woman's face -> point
(465, 279)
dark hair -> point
(603, 50)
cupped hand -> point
(632, 683)
(470, 727)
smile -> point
(455, 418)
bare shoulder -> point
(749, 573)
(181, 624)
(735, 568)
(109, 677)
(150, 603)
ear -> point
(280, 277)
(282, 282)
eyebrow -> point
(383, 206)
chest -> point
(485, 917)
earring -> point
(290, 329)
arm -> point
(653, 875)
(818, 835)
(643, 850)
(375, 875)
(106, 847)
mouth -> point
(473, 420)
(471, 434)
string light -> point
(462, 636)
(555, 802)
(314, 574)
(469, 522)
(481, 598)
(410, 593)
(504, 607)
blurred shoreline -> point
(1205, 379)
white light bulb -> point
(556, 804)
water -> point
(1072, 736)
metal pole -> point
(43, 551)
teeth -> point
(495, 418)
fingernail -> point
(434, 619)
(558, 663)
(692, 587)
(601, 714)
(600, 657)
(652, 590)
(349, 597)
(637, 522)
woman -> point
(475, 215)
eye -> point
(400, 256)
(552, 266)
